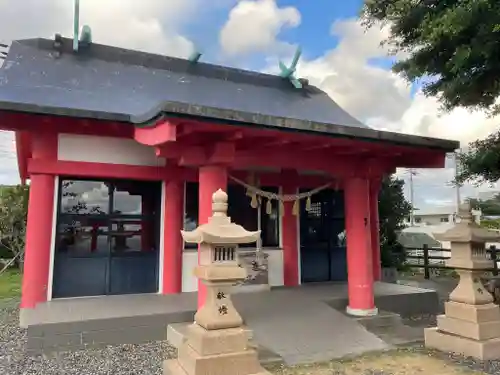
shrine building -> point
(123, 149)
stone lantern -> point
(216, 343)
(471, 323)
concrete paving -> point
(307, 330)
(298, 330)
(302, 324)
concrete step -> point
(176, 335)
(400, 334)
(383, 319)
(390, 327)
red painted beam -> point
(59, 124)
(221, 153)
(23, 153)
(276, 179)
(101, 170)
(203, 133)
(318, 161)
(224, 153)
(431, 159)
(162, 132)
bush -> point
(393, 209)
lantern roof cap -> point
(467, 230)
(220, 230)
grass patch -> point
(393, 362)
(10, 284)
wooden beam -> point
(102, 170)
(23, 153)
(219, 153)
(162, 132)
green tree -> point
(13, 219)
(453, 47)
(13, 214)
(490, 224)
(393, 208)
(480, 162)
(488, 207)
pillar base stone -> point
(361, 312)
(482, 349)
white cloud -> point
(432, 188)
(383, 100)
(147, 25)
(254, 26)
(347, 73)
(150, 26)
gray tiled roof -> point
(417, 240)
(132, 86)
(111, 83)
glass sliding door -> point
(134, 237)
(107, 238)
(322, 238)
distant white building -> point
(438, 220)
(438, 216)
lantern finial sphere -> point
(464, 212)
(219, 203)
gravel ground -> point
(118, 359)
(147, 358)
(404, 361)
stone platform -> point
(72, 324)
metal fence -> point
(431, 258)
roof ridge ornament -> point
(288, 73)
(195, 56)
(85, 38)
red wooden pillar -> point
(359, 252)
(289, 229)
(173, 214)
(39, 225)
(211, 178)
(375, 228)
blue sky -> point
(349, 66)
(313, 34)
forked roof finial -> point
(86, 36)
(288, 73)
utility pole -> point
(412, 173)
(457, 186)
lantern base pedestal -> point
(215, 352)
(484, 350)
(471, 330)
